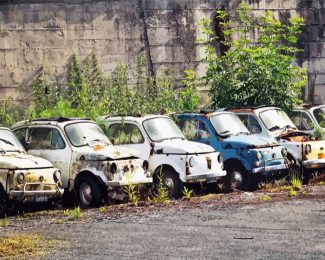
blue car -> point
(247, 157)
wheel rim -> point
(85, 194)
(236, 179)
(169, 183)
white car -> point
(23, 177)
(163, 145)
(307, 118)
(273, 122)
(89, 163)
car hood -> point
(22, 161)
(103, 152)
(248, 141)
(178, 146)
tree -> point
(252, 73)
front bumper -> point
(129, 182)
(209, 177)
(26, 193)
(270, 169)
(313, 164)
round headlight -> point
(220, 158)
(191, 161)
(145, 165)
(113, 168)
(308, 148)
(258, 156)
(57, 176)
(20, 178)
(284, 152)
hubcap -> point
(85, 194)
(169, 183)
(236, 179)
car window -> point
(124, 134)
(302, 120)
(251, 123)
(194, 129)
(45, 138)
(21, 135)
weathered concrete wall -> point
(46, 32)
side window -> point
(136, 136)
(253, 125)
(295, 116)
(21, 135)
(45, 138)
(194, 129)
(124, 134)
(302, 120)
(244, 119)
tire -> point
(237, 178)
(89, 192)
(3, 203)
(68, 198)
(171, 182)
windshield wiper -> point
(244, 133)
(288, 127)
(98, 140)
(6, 141)
(224, 132)
(171, 138)
(276, 127)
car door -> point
(48, 142)
(129, 135)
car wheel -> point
(89, 192)
(3, 203)
(171, 182)
(237, 178)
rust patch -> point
(98, 147)
(209, 162)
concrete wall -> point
(46, 32)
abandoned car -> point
(247, 158)
(171, 157)
(274, 122)
(308, 118)
(23, 177)
(90, 165)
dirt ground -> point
(237, 225)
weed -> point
(265, 197)
(4, 222)
(296, 180)
(275, 186)
(22, 246)
(102, 210)
(292, 193)
(187, 193)
(162, 192)
(73, 214)
(131, 190)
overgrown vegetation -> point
(73, 214)
(22, 246)
(187, 193)
(265, 197)
(132, 191)
(258, 71)
(162, 192)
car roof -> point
(138, 119)
(61, 121)
(206, 114)
(256, 110)
(308, 107)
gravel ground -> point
(236, 225)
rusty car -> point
(24, 178)
(91, 166)
(171, 157)
(303, 150)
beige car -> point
(24, 177)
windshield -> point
(275, 119)
(319, 114)
(9, 142)
(81, 134)
(228, 124)
(161, 128)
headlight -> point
(258, 155)
(220, 158)
(308, 148)
(20, 178)
(145, 165)
(113, 168)
(192, 161)
(57, 176)
(284, 152)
